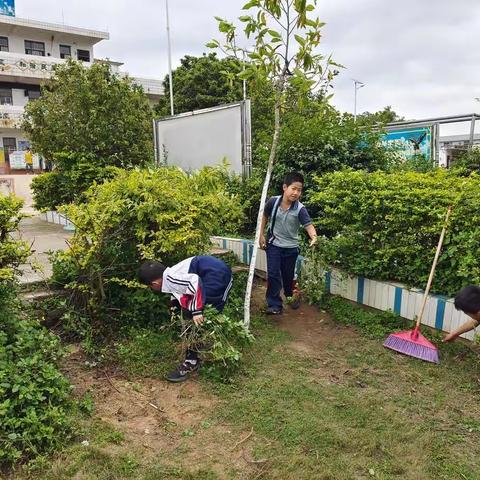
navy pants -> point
(280, 273)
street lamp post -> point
(357, 85)
(170, 79)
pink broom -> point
(412, 342)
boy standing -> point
(468, 301)
(193, 283)
(285, 214)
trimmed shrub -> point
(162, 214)
(387, 225)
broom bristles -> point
(412, 348)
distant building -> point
(454, 145)
(29, 50)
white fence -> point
(58, 219)
(440, 313)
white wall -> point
(9, 132)
(52, 41)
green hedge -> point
(163, 214)
(386, 226)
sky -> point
(421, 57)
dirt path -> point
(157, 418)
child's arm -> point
(465, 327)
(267, 211)
(261, 242)
(306, 221)
(312, 233)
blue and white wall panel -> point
(440, 313)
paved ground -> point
(20, 186)
(43, 237)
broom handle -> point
(434, 265)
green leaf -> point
(213, 44)
(251, 4)
(274, 33)
(300, 40)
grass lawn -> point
(315, 400)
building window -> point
(83, 55)
(33, 94)
(34, 48)
(3, 44)
(6, 96)
(65, 51)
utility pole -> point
(357, 85)
(170, 79)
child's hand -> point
(448, 338)
(198, 319)
(261, 242)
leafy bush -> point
(12, 252)
(467, 162)
(49, 190)
(163, 214)
(33, 392)
(312, 283)
(73, 175)
(387, 225)
(417, 163)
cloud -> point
(420, 57)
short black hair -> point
(468, 299)
(150, 271)
(293, 177)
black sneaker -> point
(274, 311)
(184, 371)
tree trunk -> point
(266, 183)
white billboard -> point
(206, 137)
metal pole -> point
(355, 103)
(170, 79)
(356, 85)
(244, 81)
(472, 131)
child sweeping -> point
(193, 283)
(468, 301)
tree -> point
(91, 111)
(202, 82)
(86, 121)
(387, 115)
(285, 38)
(319, 139)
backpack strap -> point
(271, 236)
